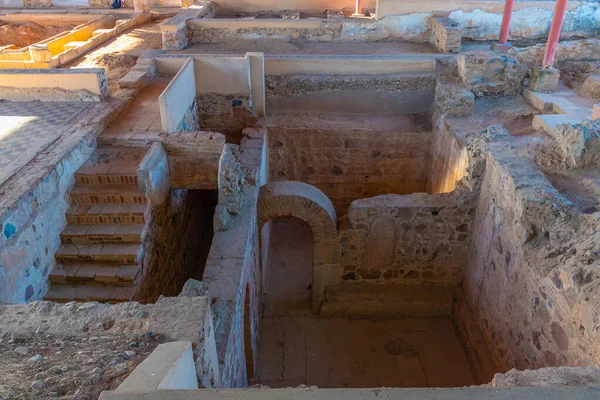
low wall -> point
(84, 84)
(224, 90)
(224, 6)
(178, 111)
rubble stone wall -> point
(350, 165)
(531, 273)
(30, 231)
(412, 239)
(233, 266)
(228, 114)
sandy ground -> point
(29, 33)
(42, 366)
(120, 54)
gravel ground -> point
(42, 366)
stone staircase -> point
(100, 257)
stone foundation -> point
(445, 34)
(491, 73)
(227, 114)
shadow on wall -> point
(178, 243)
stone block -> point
(487, 72)
(502, 48)
(445, 34)
(596, 112)
(591, 87)
(544, 79)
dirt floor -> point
(298, 347)
(41, 366)
(29, 33)
(120, 54)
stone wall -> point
(352, 164)
(412, 239)
(191, 119)
(445, 34)
(227, 114)
(531, 274)
(233, 270)
(177, 243)
(488, 72)
(30, 230)
(194, 159)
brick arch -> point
(306, 202)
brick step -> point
(105, 179)
(110, 253)
(111, 294)
(95, 274)
(108, 214)
(107, 194)
(103, 233)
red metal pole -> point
(505, 29)
(557, 22)
(358, 7)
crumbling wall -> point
(30, 230)
(177, 243)
(233, 265)
(228, 114)
(531, 274)
(487, 72)
(350, 165)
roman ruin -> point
(312, 199)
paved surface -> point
(298, 347)
(27, 128)
(141, 120)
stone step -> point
(108, 214)
(106, 194)
(110, 253)
(103, 233)
(111, 294)
(98, 274)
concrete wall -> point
(223, 6)
(85, 84)
(224, 91)
(177, 100)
